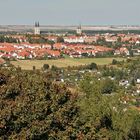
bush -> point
(93, 66)
(45, 66)
(107, 86)
(114, 62)
(54, 68)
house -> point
(59, 46)
(9, 56)
(23, 55)
(111, 39)
(74, 39)
(90, 39)
(136, 52)
(122, 51)
(137, 42)
(53, 53)
(124, 83)
(7, 49)
(138, 81)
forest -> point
(34, 106)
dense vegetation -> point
(8, 39)
(35, 107)
(32, 107)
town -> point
(77, 45)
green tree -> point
(114, 62)
(93, 66)
(60, 39)
(45, 66)
(107, 86)
(33, 107)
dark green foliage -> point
(93, 66)
(8, 39)
(114, 62)
(54, 68)
(34, 67)
(134, 132)
(107, 86)
(113, 72)
(60, 39)
(104, 116)
(45, 66)
(34, 108)
(39, 39)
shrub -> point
(45, 66)
(114, 62)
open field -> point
(28, 64)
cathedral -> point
(79, 30)
(37, 28)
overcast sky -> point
(70, 12)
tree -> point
(33, 107)
(93, 66)
(131, 53)
(54, 68)
(119, 39)
(45, 66)
(107, 86)
(114, 62)
(60, 39)
(134, 132)
(105, 116)
(95, 110)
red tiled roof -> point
(23, 53)
(8, 49)
(53, 53)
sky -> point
(70, 12)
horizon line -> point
(70, 25)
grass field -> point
(28, 64)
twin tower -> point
(37, 28)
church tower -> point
(79, 30)
(37, 28)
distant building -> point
(74, 39)
(37, 28)
(79, 30)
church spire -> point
(36, 28)
(35, 24)
(79, 30)
(38, 24)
